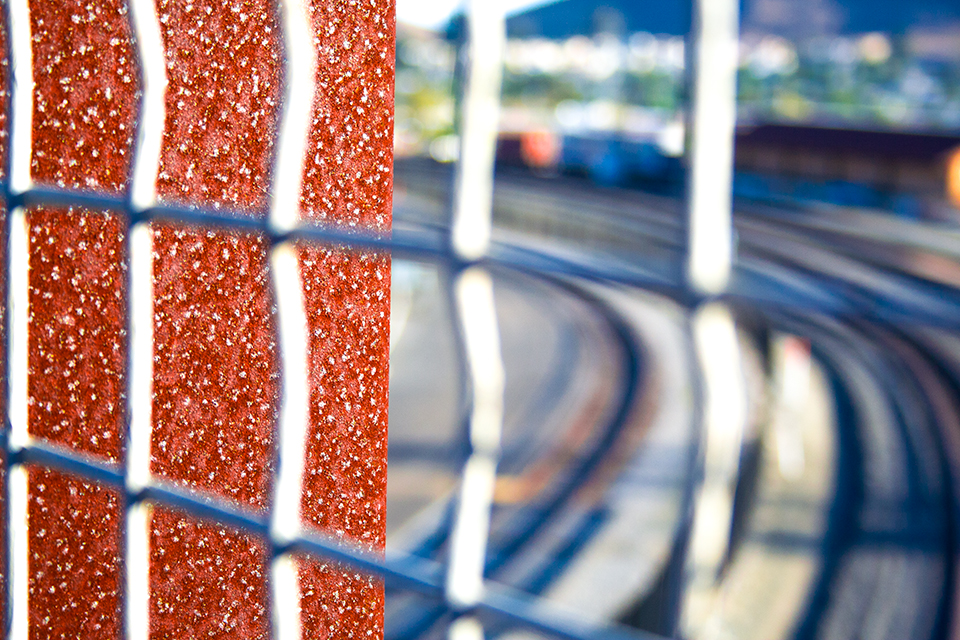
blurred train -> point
(915, 175)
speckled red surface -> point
(216, 375)
(4, 97)
(345, 483)
(74, 561)
(84, 103)
(208, 578)
(215, 368)
(223, 69)
(77, 334)
(348, 183)
(348, 178)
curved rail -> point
(882, 312)
(513, 533)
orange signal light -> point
(953, 178)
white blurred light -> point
(875, 48)
(578, 50)
(671, 54)
(643, 52)
(569, 115)
(601, 115)
(791, 373)
(671, 138)
(606, 58)
(465, 628)
(445, 148)
(772, 55)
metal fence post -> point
(476, 313)
(710, 252)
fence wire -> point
(465, 251)
(278, 526)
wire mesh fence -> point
(137, 206)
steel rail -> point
(400, 569)
(522, 528)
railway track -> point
(541, 476)
(881, 308)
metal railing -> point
(459, 585)
(467, 253)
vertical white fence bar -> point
(709, 263)
(18, 291)
(473, 199)
(143, 194)
(137, 534)
(137, 559)
(286, 599)
(153, 112)
(478, 323)
(300, 68)
(294, 409)
(141, 346)
(471, 226)
(294, 416)
(710, 230)
(22, 104)
(19, 558)
(724, 414)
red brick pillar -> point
(348, 183)
(4, 146)
(215, 365)
(84, 106)
(215, 362)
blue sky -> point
(433, 14)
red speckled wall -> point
(215, 363)
(216, 375)
(348, 182)
(84, 109)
